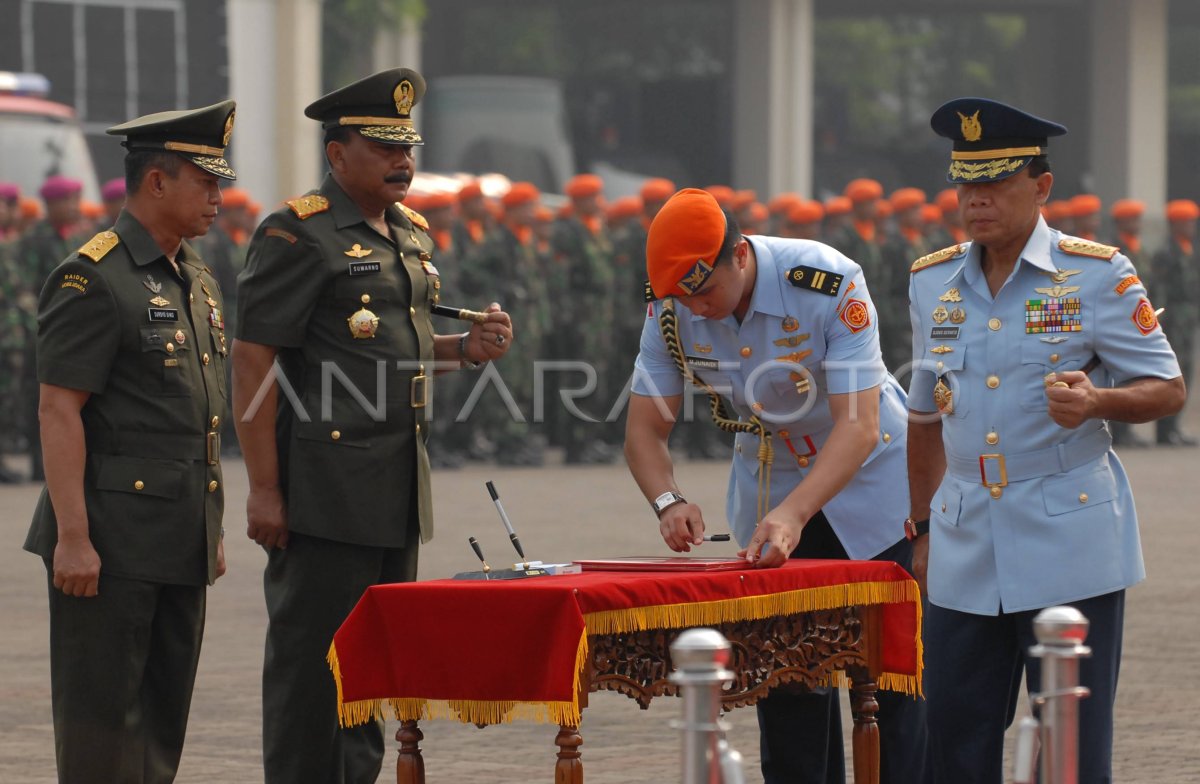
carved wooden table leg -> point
(866, 729)
(569, 768)
(410, 765)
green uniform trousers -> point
(122, 667)
(310, 589)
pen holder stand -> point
(503, 574)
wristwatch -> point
(667, 499)
(914, 529)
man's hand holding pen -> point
(490, 339)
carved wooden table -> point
(796, 650)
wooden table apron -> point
(490, 653)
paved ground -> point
(565, 513)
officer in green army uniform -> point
(130, 356)
(337, 290)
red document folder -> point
(678, 563)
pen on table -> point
(459, 313)
(479, 552)
(717, 538)
(512, 535)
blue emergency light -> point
(33, 85)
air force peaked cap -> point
(992, 141)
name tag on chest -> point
(163, 314)
(703, 363)
(365, 267)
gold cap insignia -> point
(228, 130)
(972, 129)
(403, 96)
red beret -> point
(113, 190)
(683, 243)
(472, 190)
(723, 194)
(863, 189)
(838, 205)
(1182, 209)
(625, 207)
(743, 199)
(1084, 204)
(806, 212)
(439, 201)
(657, 189)
(907, 198)
(520, 193)
(9, 191)
(947, 200)
(59, 187)
(582, 185)
(1128, 208)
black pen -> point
(512, 535)
(717, 538)
(479, 552)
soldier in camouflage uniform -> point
(859, 238)
(899, 252)
(12, 356)
(42, 248)
(1127, 222)
(1176, 289)
(583, 251)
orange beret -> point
(883, 209)
(723, 194)
(472, 190)
(758, 212)
(930, 213)
(657, 189)
(625, 207)
(416, 202)
(30, 207)
(91, 209)
(543, 214)
(683, 243)
(1084, 204)
(863, 189)
(582, 185)
(234, 198)
(742, 200)
(520, 193)
(1057, 210)
(838, 205)
(1128, 208)
(253, 208)
(947, 200)
(907, 198)
(439, 201)
(806, 212)
(783, 203)
(566, 210)
(1178, 210)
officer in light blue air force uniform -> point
(1025, 341)
(785, 331)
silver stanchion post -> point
(700, 656)
(1060, 632)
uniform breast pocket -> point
(1080, 491)
(1038, 359)
(950, 393)
(167, 352)
(946, 505)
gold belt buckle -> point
(214, 447)
(983, 470)
(418, 390)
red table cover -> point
(491, 652)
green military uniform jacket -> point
(351, 427)
(149, 345)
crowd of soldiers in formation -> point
(573, 280)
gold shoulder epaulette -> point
(1095, 250)
(937, 257)
(98, 247)
(417, 218)
(307, 206)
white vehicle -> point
(40, 138)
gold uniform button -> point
(1054, 357)
(943, 507)
(191, 297)
(997, 492)
(802, 462)
(139, 484)
(205, 359)
(993, 438)
(757, 406)
(887, 438)
(412, 311)
(366, 299)
(335, 435)
(215, 421)
(170, 347)
(993, 382)
(994, 324)
(212, 486)
(1083, 498)
(941, 365)
(746, 351)
(418, 427)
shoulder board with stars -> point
(937, 257)
(98, 247)
(814, 279)
(417, 218)
(1095, 250)
(307, 206)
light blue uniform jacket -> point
(868, 514)
(1064, 528)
